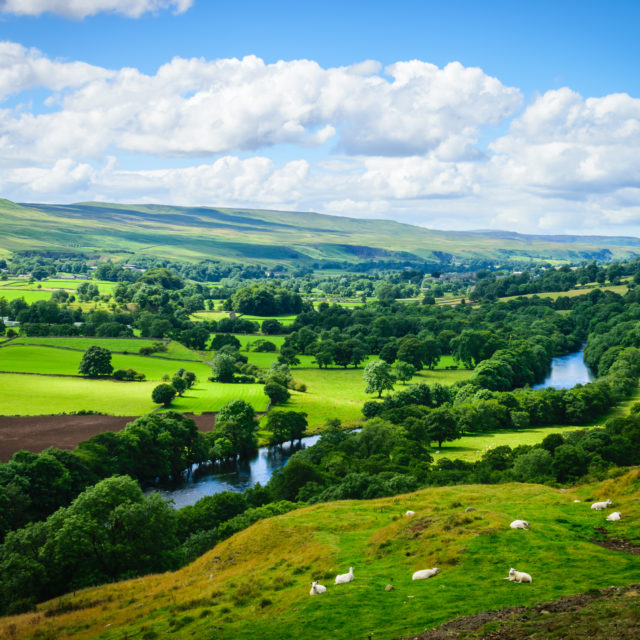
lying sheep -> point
(316, 589)
(518, 576)
(410, 513)
(614, 517)
(425, 573)
(576, 500)
(519, 524)
(343, 578)
(599, 506)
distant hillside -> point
(194, 233)
(256, 583)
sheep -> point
(614, 517)
(316, 589)
(410, 513)
(519, 524)
(425, 573)
(518, 576)
(343, 578)
(576, 501)
(599, 506)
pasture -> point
(174, 350)
(30, 395)
(260, 577)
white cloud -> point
(79, 9)
(201, 108)
(22, 69)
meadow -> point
(260, 578)
(174, 350)
(32, 395)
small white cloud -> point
(79, 9)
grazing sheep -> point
(576, 500)
(519, 524)
(614, 517)
(410, 513)
(425, 573)
(316, 589)
(599, 506)
(518, 576)
(343, 578)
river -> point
(236, 477)
(567, 372)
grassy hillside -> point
(193, 233)
(257, 582)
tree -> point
(223, 366)
(189, 378)
(163, 394)
(442, 425)
(276, 392)
(96, 361)
(288, 356)
(403, 371)
(179, 384)
(378, 376)
(286, 425)
(237, 422)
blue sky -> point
(534, 129)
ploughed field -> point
(258, 581)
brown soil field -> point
(36, 433)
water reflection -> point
(567, 372)
(205, 480)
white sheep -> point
(576, 500)
(343, 578)
(410, 513)
(425, 573)
(519, 524)
(316, 589)
(599, 506)
(614, 517)
(518, 576)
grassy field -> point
(259, 579)
(131, 345)
(339, 393)
(42, 395)
(572, 293)
(28, 295)
(51, 361)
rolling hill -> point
(271, 237)
(256, 583)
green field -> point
(174, 350)
(51, 361)
(28, 295)
(572, 293)
(42, 395)
(339, 393)
(260, 578)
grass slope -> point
(193, 233)
(256, 583)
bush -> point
(128, 375)
(163, 394)
(276, 392)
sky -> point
(464, 114)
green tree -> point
(276, 392)
(179, 384)
(286, 425)
(237, 422)
(223, 366)
(403, 371)
(378, 377)
(442, 425)
(96, 361)
(163, 394)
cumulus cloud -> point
(79, 9)
(201, 108)
(565, 144)
(22, 69)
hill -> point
(257, 582)
(272, 237)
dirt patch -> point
(36, 433)
(617, 544)
(568, 612)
